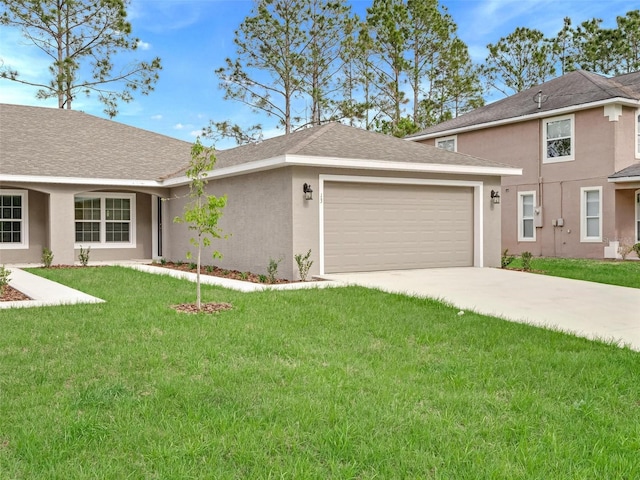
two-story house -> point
(577, 139)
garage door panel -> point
(381, 226)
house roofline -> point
(631, 179)
(273, 163)
(545, 114)
(342, 163)
(111, 182)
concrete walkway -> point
(46, 293)
(587, 309)
(43, 292)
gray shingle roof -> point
(36, 141)
(334, 140)
(573, 89)
(39, 141)
(631, 171)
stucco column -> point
(62, 227)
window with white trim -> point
(526, 224)
(105, 219)
(637, 216)
(638, 135)
(13, 219)
(591, 214)
(559, 139)
(448, 143)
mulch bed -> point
(10, 294)
(212, 307)
(218, 272)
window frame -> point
(446, 139)
(102, 243)
(522, 218)
(637, 219)
(637, 137)
(24, 220)
(583, 215)
(572, 137)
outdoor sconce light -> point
(495, 196)
(308, 192)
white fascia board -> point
(627, 102)
(624, 179)
(335, 162)
(249, 167)
(384, 165)
(115, 182)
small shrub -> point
(47, 257)
(179, 263)
(262, 278)
(244, 275)
(272, 270)
(4, 278)
(209, 268)
(84, 256)
(507, 258)
(624, 250)
(163, 261)
(304, 264)
(636, 248)
(526, 261)
(193, 266)
(225, 273)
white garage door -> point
(370, 226)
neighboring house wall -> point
(603, 139)
(257, 219)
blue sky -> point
(193, 37)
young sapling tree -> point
(203, 212)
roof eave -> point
(534, 116)
(630, 179)
(351, 163)
(110, 182)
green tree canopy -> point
(81, 37)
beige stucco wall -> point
(257, 219)
(267, 217)
(602, 146)
(53, 204)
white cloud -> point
(144, 45)
(195, 133)
(156, 117)
(179, 126)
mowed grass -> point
(624, 274)
(332, 383)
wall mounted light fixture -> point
(308, 192)
(495, 196)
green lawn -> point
(624, 274)
(334, 383)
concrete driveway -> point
(587, 309)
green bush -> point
(506, 258)
(47, 257)
(272, 270)
(636, 248)
(4, 278)
(304, 264)
(526, 261)
(84, 256)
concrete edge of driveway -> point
(606, 313)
